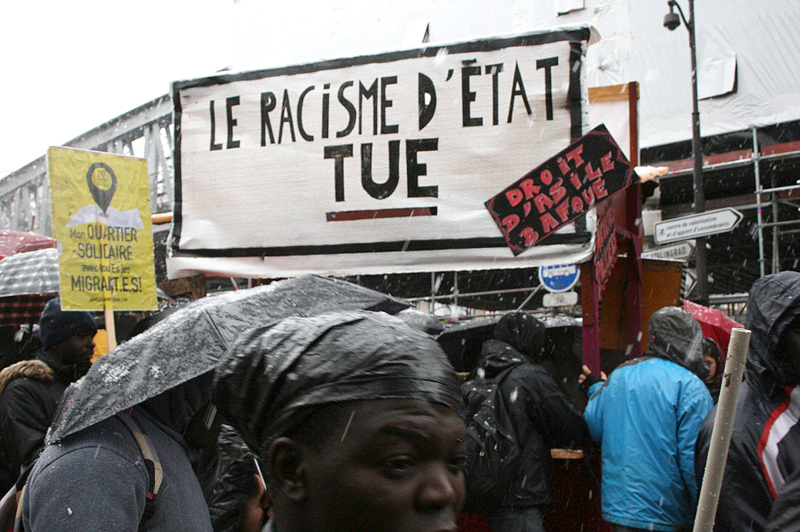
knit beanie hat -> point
(57, 325)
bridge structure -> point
(145, 131)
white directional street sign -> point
(697, 225)
(679, 251)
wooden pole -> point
(108, 310)
(111, 329)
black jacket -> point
(226, 476)
(785, 514)
(543, 417)
(29, 393)
(765, 444)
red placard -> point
(605, 245)
(560, 190)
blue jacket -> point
(647, 417)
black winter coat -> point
(543, 417)
(226, 474)
(29, 394)
(765, 444)
(785, 514)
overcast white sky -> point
(69, 66)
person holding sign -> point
(30, 389)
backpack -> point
(494, 455)
(12, 502)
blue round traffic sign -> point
(559, 277)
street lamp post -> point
(672, 21)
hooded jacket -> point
(785, 513)
(646, 417)
(765, 443)
(542, 416)
(29, 394)
(96, 479)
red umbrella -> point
(715, 324)
(12, 242)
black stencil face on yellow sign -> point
(102, 184)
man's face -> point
(394, 465)
(75, 349)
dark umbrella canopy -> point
(193, 340)
(462, 342)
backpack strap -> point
(155, 473)
(16, 497)
(18, 514)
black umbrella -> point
(193, 340)
(462, 342)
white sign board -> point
(680, 251)
(375, 164)
(697, 225)
(560, 299)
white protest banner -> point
(374, 164)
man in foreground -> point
(647, 416)
(356, 415)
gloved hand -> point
(587, 379)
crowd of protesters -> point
(354, 421)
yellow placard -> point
(101, 220)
